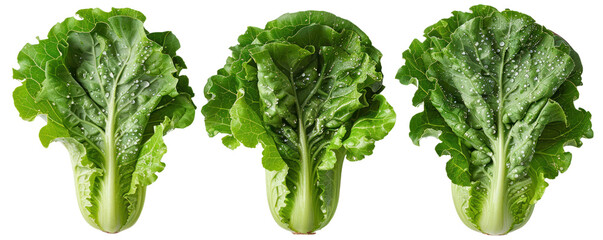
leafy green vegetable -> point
(109, 91)
(498, 91)
(307, 89)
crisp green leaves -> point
(372, 126)
(247, 128)
(498, 91)
(109, 91)
(306, 87)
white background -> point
(210, 192)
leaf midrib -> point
(110, 209)
(303, 213)
(497, 215)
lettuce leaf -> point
(306, 87)
(497, 89)
(109, 91)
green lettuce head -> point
(108, 90)
(306, 87)
(498, 90)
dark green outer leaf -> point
(32, 62)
